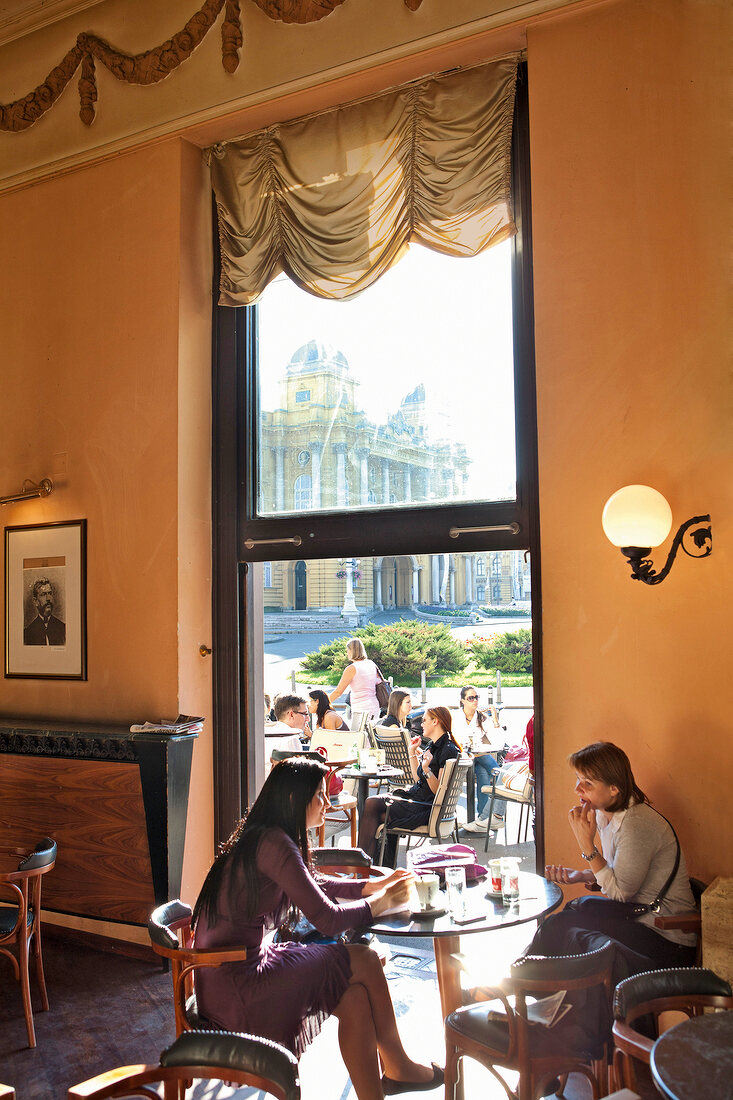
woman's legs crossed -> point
(367, 972)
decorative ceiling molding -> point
(156, 64)
(21, 17)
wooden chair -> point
(7, 1093)
(20, 922)
(683, 989)
(169, 928)
(687, 922)
(442, 822)
(508, 1040)
(211, 1055)
(338, 745)
(343, 803)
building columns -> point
(279, 479)
(469, 579)
(385, 481)
(363, 455)
(340, 452)
(378, 605)
(316, 450)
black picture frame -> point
(45, 601)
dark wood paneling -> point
(94, 811)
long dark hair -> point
(442, 715)
(281, 804)
(323, 704)
(608, 763)
(479, 716)
(396, 699)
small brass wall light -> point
(637, 518)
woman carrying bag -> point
(361, 676)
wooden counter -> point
(115, 802)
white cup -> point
(428, 888)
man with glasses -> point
(292, 716)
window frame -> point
(242, 540)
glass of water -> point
(455, 882)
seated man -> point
(291, 713)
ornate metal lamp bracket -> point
(698, 532)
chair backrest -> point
(211, 1055)
(443, 812)
(396, 744)
(351, 862)
(25, 884)
(514, 781)
(358, 720)
(337, 743)
(171, 935)
(682, 989)
(284, 754)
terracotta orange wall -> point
(106, 354)
(631, 238)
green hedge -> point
(510, 652)
(402, 650)
(505, 612)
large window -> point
(400, 423)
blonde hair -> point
(355, 649)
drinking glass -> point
(509, 881)
(455, 881)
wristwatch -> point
(590, 855)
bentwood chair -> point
(171, 936)
(212, 1055)
(508, 1039)
(442, 822)
(20, 923)
(512, 783)
(682, 989)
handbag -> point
(515, 777)
(335, 782)
(382, 690)
(609, 909)
(439, 856)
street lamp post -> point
(349, 566)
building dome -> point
(317, 354)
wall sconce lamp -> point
(636, 518)
(30, 489)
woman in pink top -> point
(284, 991)
(361, 677)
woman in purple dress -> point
(284, 991)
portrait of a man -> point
(45, 628)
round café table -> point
(695, 1059)
(362, 778)
(537, 897)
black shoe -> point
(392, 1088)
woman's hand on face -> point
(583, 823)
(566, 876)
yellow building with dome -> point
(319, 450)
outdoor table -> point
(384, 771)
(537, 897)
(695, 1058)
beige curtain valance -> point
(335, 199)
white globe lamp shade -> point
(637, 516)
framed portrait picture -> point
(45, 601)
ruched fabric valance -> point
(335, 199)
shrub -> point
(446, 612)
(504, 612)
(402, 650)
(511, 652)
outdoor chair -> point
(171, 936)
(683, 989)
(338, 745)
(212, 1055)
(513, 783)
(687, 922)
(20, 922)
(395, 742)
(442, 822)
(507, 1039)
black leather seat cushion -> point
(8, 918)
(477, 1022)
(676, 982)
(225, 1049)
